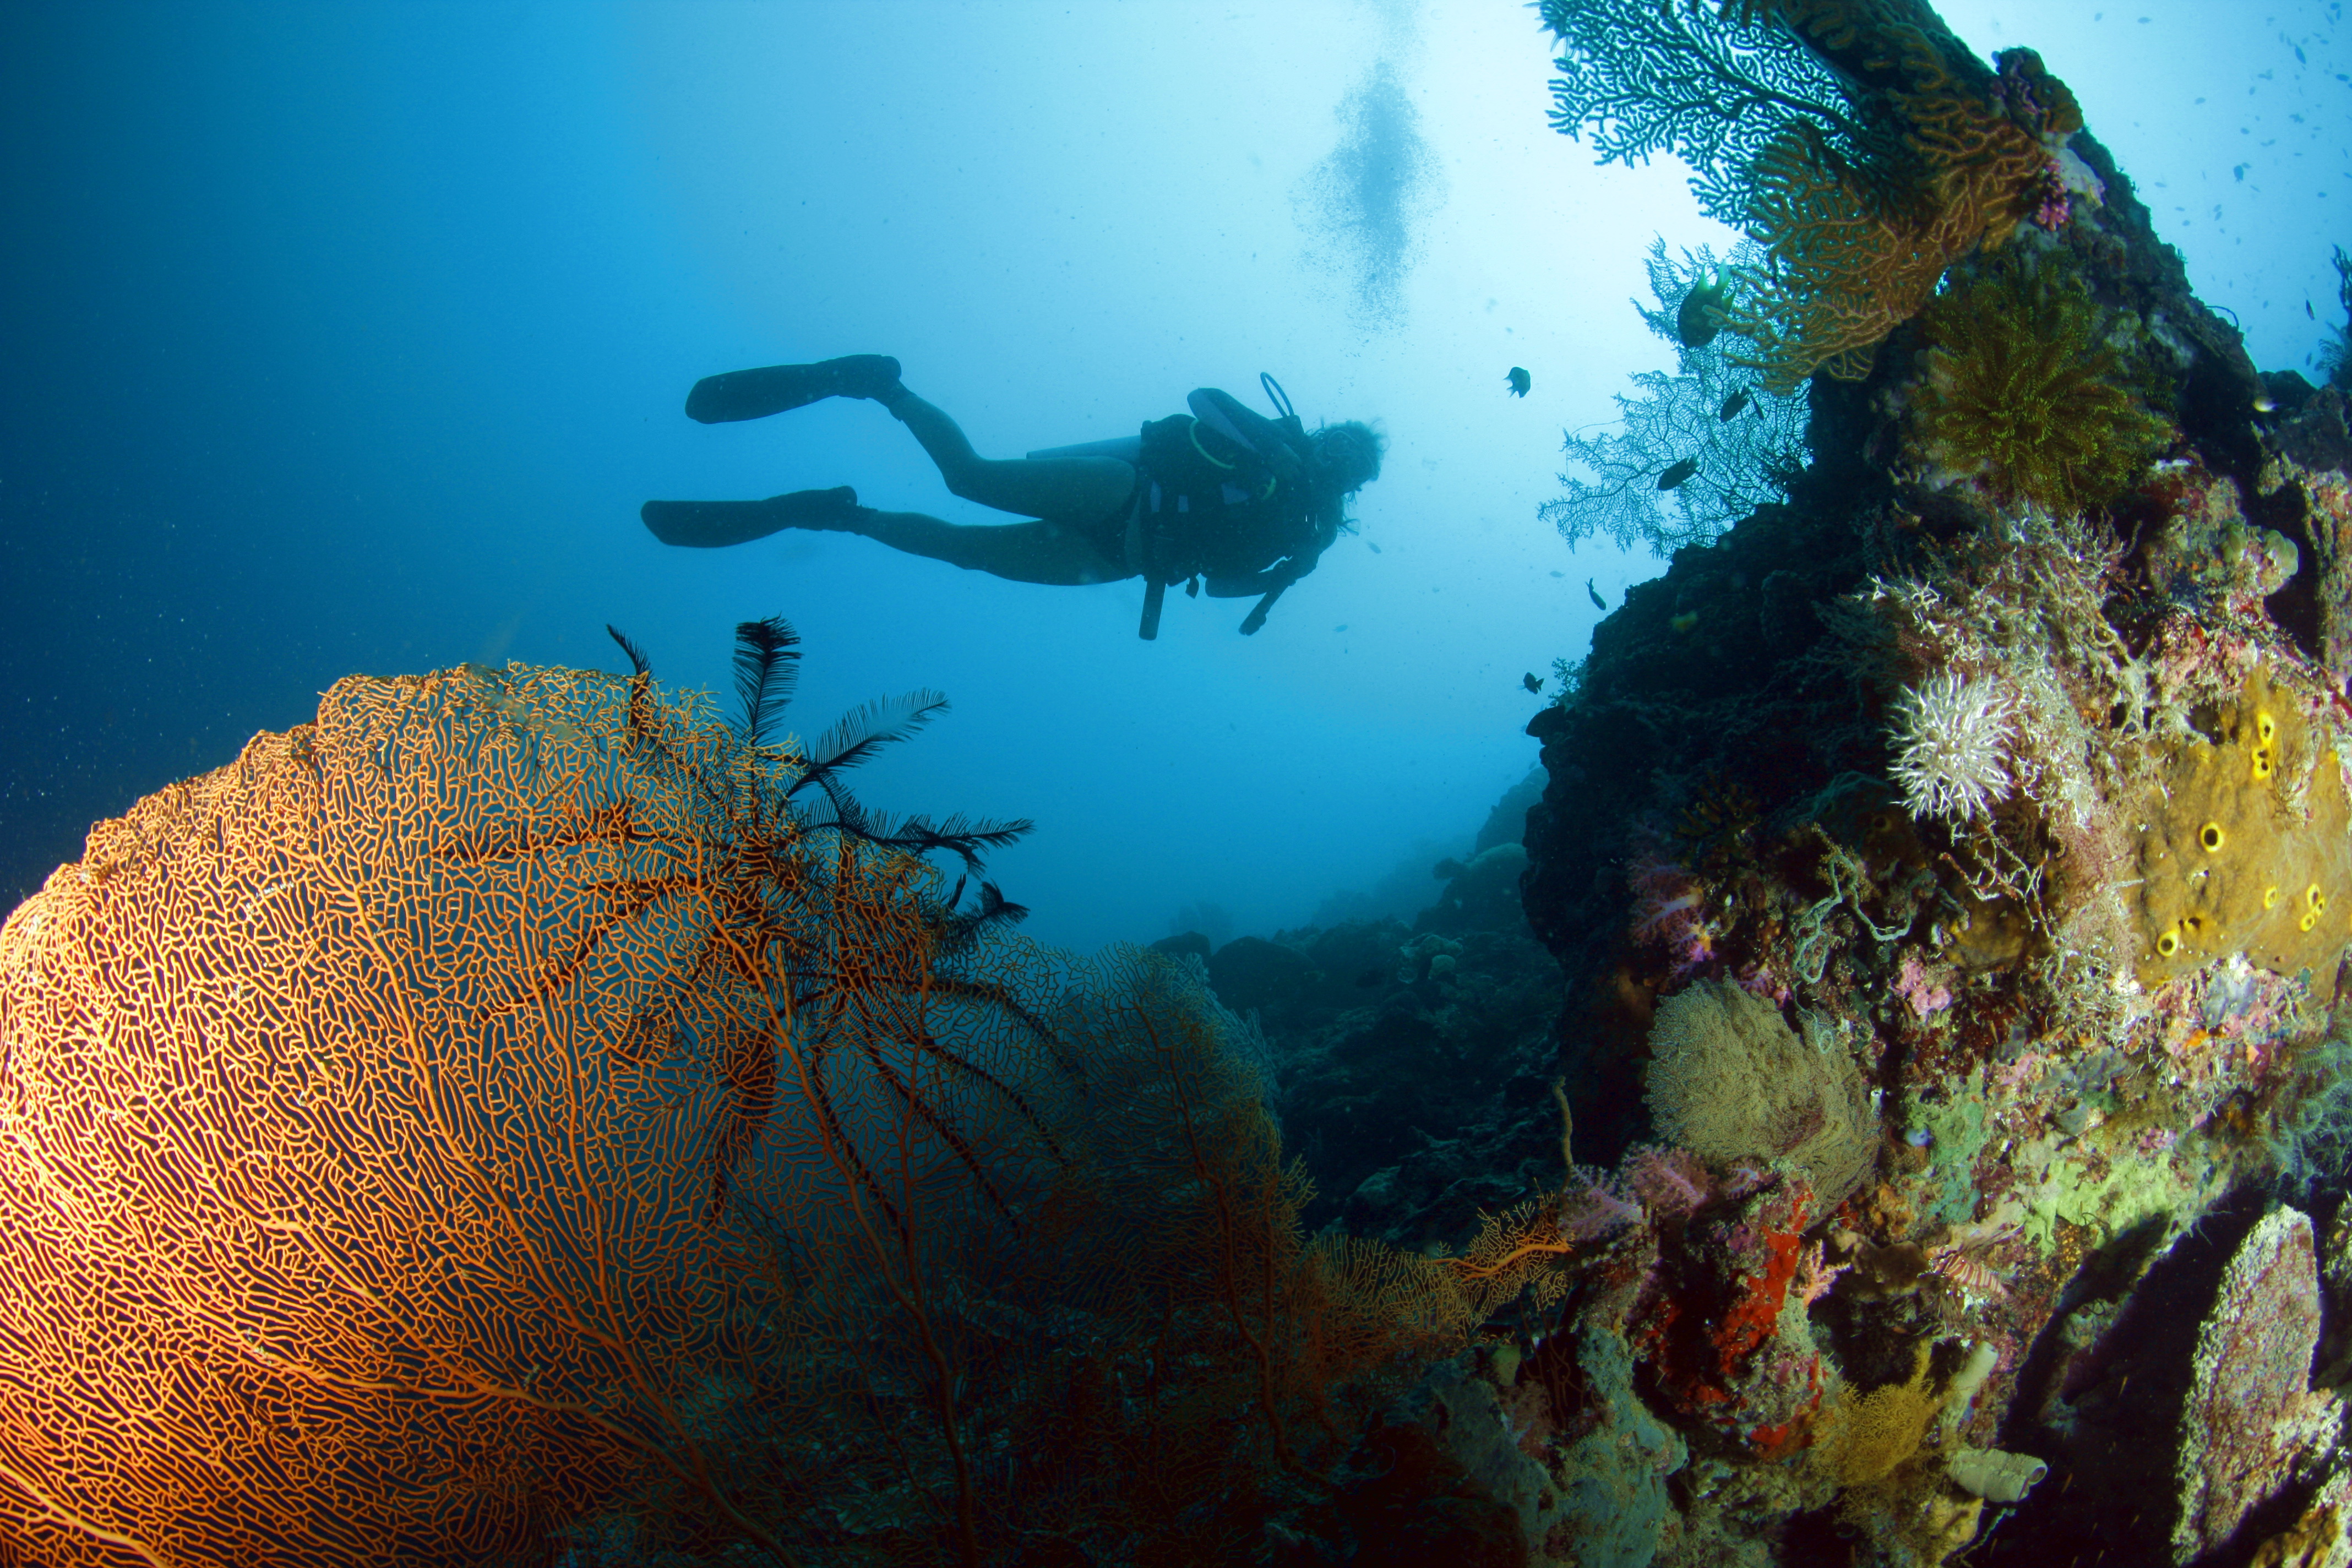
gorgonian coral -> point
(1857, 245)
(1743, 442)
(1730, 1081)
(1640, 78)
(2025, 392)
(1857, 141)
(2335, 353)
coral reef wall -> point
(2000, 765)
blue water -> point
(349, 338)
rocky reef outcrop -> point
(1938, 1140)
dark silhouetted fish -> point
(1733, 404)
(1702, 311)
(1520, 381)
(1598, 602)
(1531, 682)
(1678, 473)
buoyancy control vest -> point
(1222, 497)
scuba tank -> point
(1221, 456)
(1127, 449)
(1282, 442)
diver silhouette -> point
(1220, 497)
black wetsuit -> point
(1206, 507)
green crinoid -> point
(2026, 393)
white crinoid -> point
(1951, 743)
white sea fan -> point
(1951, 739)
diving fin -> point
(771, 389)
(713, 525)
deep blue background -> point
(348, 339)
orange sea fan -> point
(355, 1147)
(491, 1116)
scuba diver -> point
(1221, 496)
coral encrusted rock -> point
(2251, 1422)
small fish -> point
(1678, 474)
(1560, 573)
(1340, 628)
(1531, 682)
(1702, 311)
(1734, 404)
(2308, 311)
(1376, 549)
(1520, 381)
(2266, 404)
(1598, 602)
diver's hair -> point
(1347, 459)
(1351, 451)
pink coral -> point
(1914, 986)
(1669, 1182)
(2053, 203)
(1592, 1206)
(1760, 979)
(1670, 912)
(1813, 1278)
(2011, 1076)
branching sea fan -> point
(1951, 743)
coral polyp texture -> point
(1952, 734)
(2252, 1425)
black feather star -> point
(638, 663)
(863, 732)
(993, 909)
(767, 664)
(966, 840)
